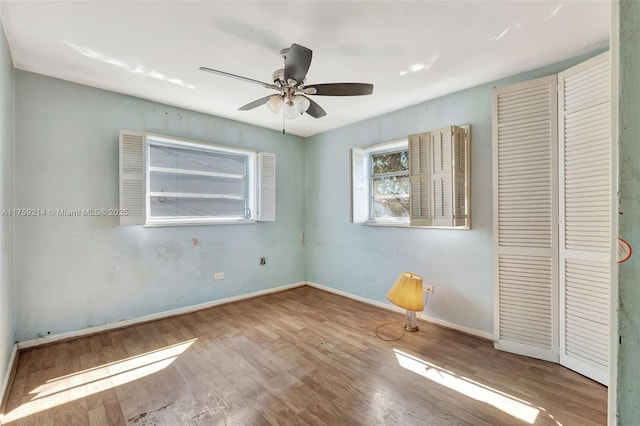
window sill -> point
(202, 223)
(391, 224)
(408, 225)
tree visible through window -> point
(390, 185)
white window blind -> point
(189, 183)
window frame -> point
(398, 145)
(185, 144)
(422, 151)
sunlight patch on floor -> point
(72, 387)
(505, 403)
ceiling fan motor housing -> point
(278, 76)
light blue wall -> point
(7, 325)
(74, 272)
(365, 260)
(66, 158)
(628, 390)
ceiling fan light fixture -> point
(290, 110)
(301, 104)
(275, 103)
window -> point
(421, 181)
(385, 182)
(389, 185)
(167, 181)
(186, 182)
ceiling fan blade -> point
(340, 89)
(296, 63)
(239, 77)
(254, 104)
(315, 110)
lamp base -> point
(412, 321)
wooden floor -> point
(302, 356)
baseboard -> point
(8, 379)
(423, 317)
(152, 317)
(188, 309)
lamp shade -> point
(290, 110)
(301, 103)
(275, 103)
(407, 292)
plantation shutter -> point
(585, 211)
(357, 186)
(524, 200)
(132, 177)
(420, 179)
(441, 162)
(460, 147)
(267, 187)
(441, 177)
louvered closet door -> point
(524, 199)
(585, 211)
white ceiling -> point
(411, 51)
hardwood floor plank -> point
(303, 356)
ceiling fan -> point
(290, 83)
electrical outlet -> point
(218, 276)
(428, 289)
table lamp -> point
(407, 293)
